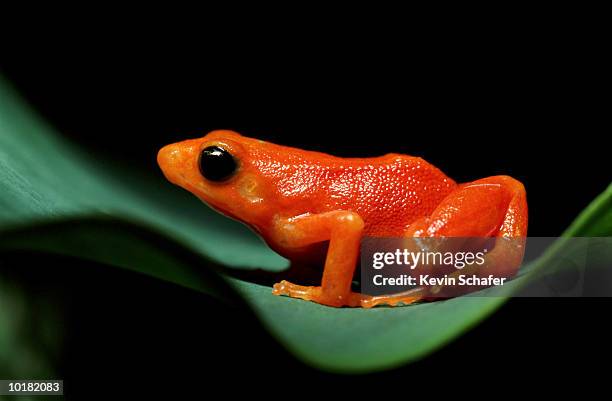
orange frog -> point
(302, 201)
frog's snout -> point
(173, 159)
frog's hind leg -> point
(489, 207)
(493, 207)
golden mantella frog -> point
(300, 201)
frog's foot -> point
(308, 293)
(354, 299)
(402, 298)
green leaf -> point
(56, 198)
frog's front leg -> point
(343, 229)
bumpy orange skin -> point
(296, 199)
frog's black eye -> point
(217, 164)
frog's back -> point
(388, 192)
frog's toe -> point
(286, 288)
(281, 288)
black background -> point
(526, 106)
